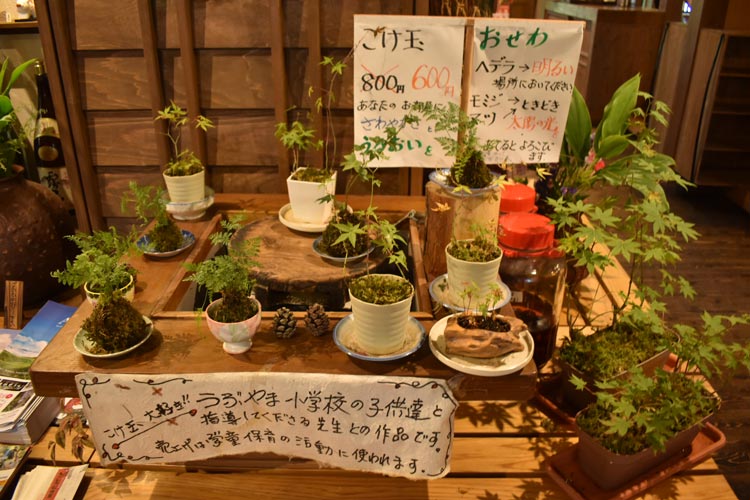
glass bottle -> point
(47, 146)
(534, 270)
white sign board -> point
(390, 425)
(523, 74)
(400, 60)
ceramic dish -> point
(286, 216)
(82, 345)
(144, 244)
(339, 260)
(490, 367)
(192, 210)
(343, 336)
(439, 293)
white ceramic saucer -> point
(286, 216)
(343, 336)
(439, 293)
(489, 367)
(144, 244)
(82, 344)
(192, 210)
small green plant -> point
(183, 162)
(150, 204)
(99, 262)
(460, 141)
(299, 138)
(114, 324)
(11, 135)
(73, 424)
(638, 412)
(482, 248)
(380, 289)
(228, 274)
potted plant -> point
(235, 316)
(637, 423)
(473, 262)
(463, 194)
(11, 138)
(164, 237)
(636, 226)
(311, 190)
(114, 325)
(184, 175)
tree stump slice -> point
(291, 273)
(450, 214)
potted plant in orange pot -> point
(235, 316)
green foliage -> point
(297, 138)
(228, 274)
(380, 289)
(114, 325)
(482, 248)
(183, 162)
(151, 203)
(99, 262)
(645, 411)
(357, 164)
(459, 140)
(11, 135)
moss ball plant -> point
(151, 204)
(345, 235)
(114, 325)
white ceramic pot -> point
(463, 274)
(380, 329)
(128, 292)
(304, 196)
(236, 337)
(186, 188)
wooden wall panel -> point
(114, 182)
(337, 29)
(124, 138)
(220, 24)
(97, 25)
(246, 180)
(113, 80)
(236, 79)
(240, 139)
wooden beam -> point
(192, 81)
(153, 68)
(281, 91)
(315, 71)
(66, 97)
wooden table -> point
(501, 437)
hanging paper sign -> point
(400, 60)
(390, 425)
(522, 77)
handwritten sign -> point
(400, 60)
(391, 425)
(523, 74)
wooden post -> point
(13, 304)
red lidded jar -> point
(534, 270)
(517, 198)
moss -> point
(473, 321)
(114, 325)
(474, 173)
(478, 249)
(235, 308)
(343, 248)
(312, 175)
(380, 289)
(166, 236)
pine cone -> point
(284, 323)
(316, 320)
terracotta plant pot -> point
(304, 196)
(380, 329)
(609, 470)
(463, 274)
(236, 337)
(128, 292)
(186, 188)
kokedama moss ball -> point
(114, 325)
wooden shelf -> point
(712, 147)
(20, 27)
